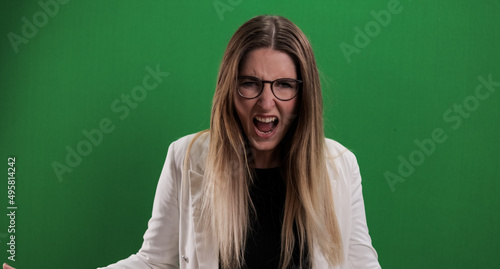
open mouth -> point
(265, 125)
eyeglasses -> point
(284, 89)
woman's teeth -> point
(266, 120)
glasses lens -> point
(249, 87)
(285, 89)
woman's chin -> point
(263, 147)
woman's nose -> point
(267, 98)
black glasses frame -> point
(262, 82)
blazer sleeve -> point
(361, 252)
(160, 248)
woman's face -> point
(266, 119)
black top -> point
(264, 236)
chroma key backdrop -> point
(93, 93)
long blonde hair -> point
(309, 200)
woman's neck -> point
(265, 159)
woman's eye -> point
(285, 84)
(249, 84)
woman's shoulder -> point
(335, 150)
(196, 145)
(195, 141)
(342, 166)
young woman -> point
(263, 187)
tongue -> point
(264, 127)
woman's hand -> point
(6, 266)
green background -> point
(395, 90)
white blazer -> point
(174, 240)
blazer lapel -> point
(205, 250)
